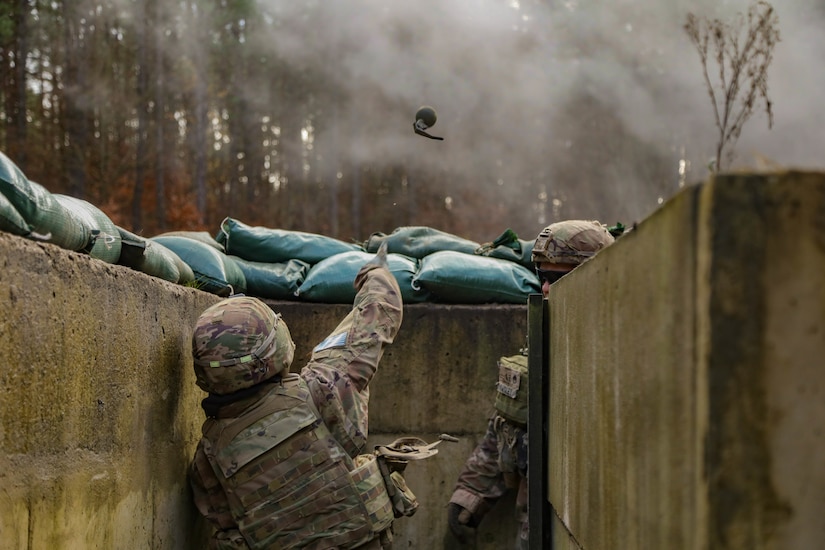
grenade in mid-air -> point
(425, 117)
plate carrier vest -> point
(511, 389)
(288, 481)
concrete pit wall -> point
(98, 408)
(100, 414)
(687, 379)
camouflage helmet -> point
(570, 242)
(237, 343)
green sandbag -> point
(261, 244)
(187, 276)
(202, 236)
(214, 272)
(330, 281)
(508, 246)
(107, 242)
(59, 225)
(469, 279)
(152, 258)
(277, 281)
(418, 242)
(10, 219)
(27, 198)
(48, 220)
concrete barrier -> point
(99, 407)
(687, 380)
(100, 414)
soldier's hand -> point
(380, 256)
(462, 523)
(380, 260)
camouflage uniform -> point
(496, 465)
(279, 466)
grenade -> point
(425, 117)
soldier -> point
(499, 462)
(279, 463)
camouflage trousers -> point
(497, 465)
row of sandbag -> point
(30, 210)
(430, 265)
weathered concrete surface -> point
(687, 379)
(440, 371)
(100, 414)
(97, 404)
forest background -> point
(173, 114)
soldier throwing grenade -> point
(279, 463)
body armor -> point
(511, 389)
(289, 482)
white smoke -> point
(499, 72)
(503, 74)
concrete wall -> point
(100, 414)
(687, 380)
(98, 409)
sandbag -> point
(187, 276)
(331, 281)
(48, 220)
(279, 281)
(202, 236)
(55, 223)
(508, 246)
(152, 258)
(262, 244)
(214, 272)
(418, 242)
(28, 198)
(107, 242)
(460, 278)
(10, 219)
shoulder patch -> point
(332, 341)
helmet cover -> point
(237, 343)
(570, 242)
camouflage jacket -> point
(343, 364)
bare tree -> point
(742, 51)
